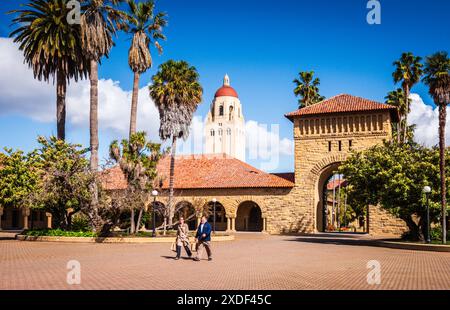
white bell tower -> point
(225, 124)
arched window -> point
(220, 132)
(212, 132)
(230, 115)
(221, 110)
(229, 131)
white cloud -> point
(426, 119)
(22, 95)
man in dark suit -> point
(203, 239)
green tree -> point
(146, 27)
(307, 88)
(65, 180)
(177, 93)
(408, 71)
(51, 47)
(19, 179)
(137, 159)
(437, 78)
(393, 176)
(397, 99)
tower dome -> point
(226, 90)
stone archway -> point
(249, 217)
(186, 210)
(325, 175)
(220, 222)
(318, 177)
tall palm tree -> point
(437, 78)
(307, 87)
(99, 22)
(177, 93)
(145, 27)
(397, 99)
(51, 47)
(408, 71)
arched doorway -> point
(186, 210)
(324, 214)
(221, 219)
(249, 217)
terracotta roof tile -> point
(205, 171)
(343, 104)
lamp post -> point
(427, 191)
(154, 194)
(214, 218)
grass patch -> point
(59, 233)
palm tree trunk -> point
(171, 180)
(61, 89)
(93, 116)
(442, 123)
(93, 126)
(134, 103)
(405, 128)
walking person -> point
(183, 239)
(203, 239)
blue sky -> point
(262, 45)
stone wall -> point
(382, 223)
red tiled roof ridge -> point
(343, 103)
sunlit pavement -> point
(253, 261)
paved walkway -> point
(253, 261)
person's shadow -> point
(173, 257)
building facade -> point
(248, 199)
(225, 124)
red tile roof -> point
(343, 104)
(205, 172)
(335, 184)
(226, 91)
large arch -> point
(249, 217)
(220, 215)
(186, 210)
(320, 174)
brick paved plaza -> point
(253, 261)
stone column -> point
(233, 224)
(25, 214)
(264, 224)
(49, 220)
(198, 221)
(228, 224)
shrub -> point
(59, 233)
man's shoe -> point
(196, 259)
(177, 258)
(209, 258)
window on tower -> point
(220, 132)
(212, 132)
(221, 110)
(230, 116)
(229, 131)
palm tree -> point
(99, 23)
(51, 47)
(307, 87)
(408, 71)
(397, 99)
(437, 78)
(177, 93)
(144, 26)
